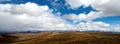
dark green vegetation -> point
(60, 38)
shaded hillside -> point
(62, 38)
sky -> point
(65, 15)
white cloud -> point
(70, 16)
(89, 25)
(30, 16)
(30, 8)
(109, 8)
(83, 17)
(77, 3)
(98, 26)
(106, 7)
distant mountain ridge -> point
(2, 32)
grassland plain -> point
(60, 38)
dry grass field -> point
(60, 38)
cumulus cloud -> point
(97, 26)
(27, 16)
(109, 7)
(83, 17)
(106, 7)
(30, 16)
(77, 3)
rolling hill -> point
(60, 38)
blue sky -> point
(75, 12)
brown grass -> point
(62, 38)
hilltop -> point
(60, 38)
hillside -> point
(60, 38)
